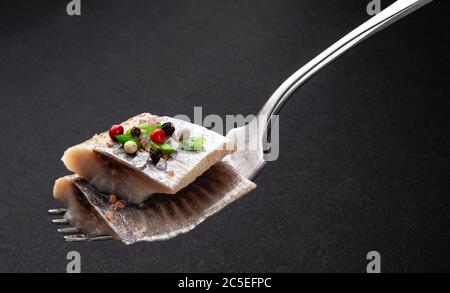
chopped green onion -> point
(193, 143)
(163, 147)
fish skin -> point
(134, 178)
(80, 213)
(163, 217)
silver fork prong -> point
(75, 238)
(57, 211)
(60, 221)
(69, 230)
(100, 238)
(83, 238)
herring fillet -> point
(134, 178)
(161, 217)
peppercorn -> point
(130, 147)
(155, 155)
(135, 131)
(115, 130)
(168, 128)
(120, 205)
(158, 135)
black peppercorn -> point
(168, 128)
(135, 131)
(155, 155)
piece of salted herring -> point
(134, 178)
(159, 218)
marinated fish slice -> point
(162, 217)
(110, 170)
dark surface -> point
(365, 144)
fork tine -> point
(83, 238)
(75, 238)
(69, 230)
(60, 221)
(75, 235)
(57, 211)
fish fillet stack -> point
(162, 200)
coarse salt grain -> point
(144, 143)
(109, 215)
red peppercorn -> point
(158, 135)
(115, 130)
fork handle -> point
(391, 14)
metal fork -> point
(249, 160)
(74, 234)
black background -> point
(364, 144)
